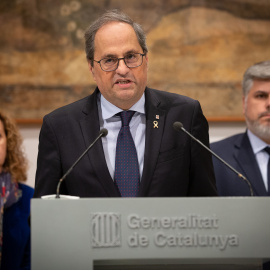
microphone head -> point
(103, 132)
(177, 126)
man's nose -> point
(268, 102)
(122, 67)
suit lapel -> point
(155, 118)
(90, 128)
(246, 159)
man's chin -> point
(260, 129)
(125, 101)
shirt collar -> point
(109, 110)
(256, 143)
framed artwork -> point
(200, 49)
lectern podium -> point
(150, 233)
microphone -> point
(103, 133)
(178, 126)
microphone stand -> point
(103, 132)
(179, 126)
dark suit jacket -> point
(16, 233)
(236, 151)
(174, 164)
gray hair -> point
(111, 16)
(259, 71)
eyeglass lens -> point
(131, 60)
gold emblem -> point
(155, 124)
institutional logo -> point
(106, 229)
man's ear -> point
(91, 68)
(243, 104)
(146, 59)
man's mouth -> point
(123, 82)
(264, 114)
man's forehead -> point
(260, 85)
(116, 39)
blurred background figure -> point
(15, 199)
(248, 152)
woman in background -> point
(15, 199)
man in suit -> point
(169, 162)
(246, 152)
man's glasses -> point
(131, 60)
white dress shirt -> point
(112, 123)
(261, 156)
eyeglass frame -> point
(118, 59)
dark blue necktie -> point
(126, 176)
(267, 149)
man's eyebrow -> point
(131, 51)
(109, 56)
(115, 56)
(261, 92)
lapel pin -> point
(155, 124)
(157, 116)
